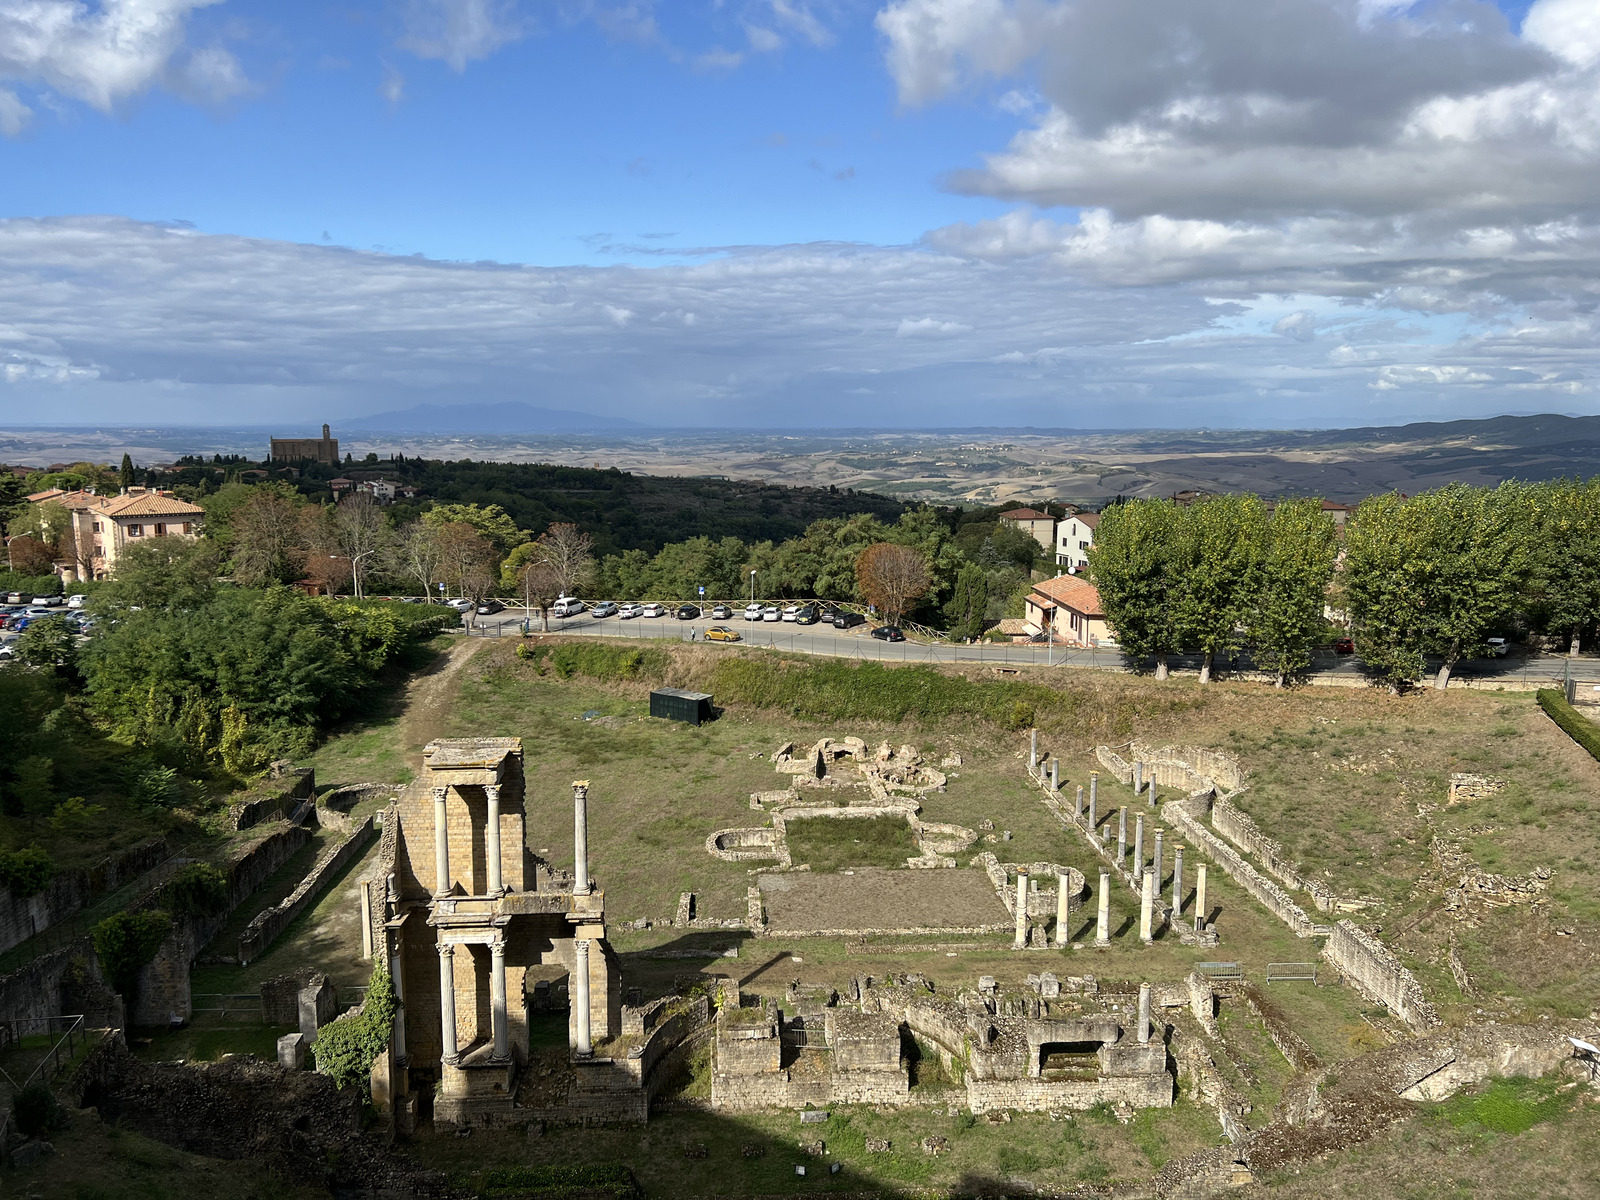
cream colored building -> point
(103, 527)
(1068, 608)
(1040, 525)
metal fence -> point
(1292, 972)
(242, 1007)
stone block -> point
(1128, 1057)
(292, 1051)
(318, 1004)
(28, 1153)
(1049, 986)
(863, 1041)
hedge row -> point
(1577, 726)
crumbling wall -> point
(1213, 766)
(1113, 762)
(261, 932)
(1268, 894)
(1243, 832)
(1043, 1095)
(1377, 974)
(68, 891)
(277, 796)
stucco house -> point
(1041, 525)
(1068, 608)
(101, 530)
(1074, 536)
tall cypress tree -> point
(127, 471)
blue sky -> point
(1094, 213)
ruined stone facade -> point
(471, 923)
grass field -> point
(1353, 784)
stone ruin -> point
(1465, 786)
(893, 782)
(1055, 1046)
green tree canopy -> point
(1286, 613)
(1132, 564)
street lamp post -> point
(752, 587)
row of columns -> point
(498, 1019)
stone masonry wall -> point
(262, 931)
(1043, 1095)
(68, 891)
(1222, 769)
(1239, 829)
(1270, 895)
(1377, 974)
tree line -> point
(1427, 576)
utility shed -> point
(675, 704)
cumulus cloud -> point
(459, 31)
(106, 53)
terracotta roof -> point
(1015, 626)
(47, 494)
(1092, 520)
(1025, 514)
(1335, 506)
(150, 504)
(79, 499)
(1072, 592)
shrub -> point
(37, 1111)
(596, 660)
(347, 1048)
(154, 786)
(76, 815)
(198, 890)
(25, 872)
(1576, 726)
(125, 942)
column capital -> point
(492, 790)
(581, 945)
(498, 947)
(439, 794)
(446, 949)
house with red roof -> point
(1041, 525)
(1068, 609)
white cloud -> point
(105, 53)
(1300, 325)
(110, 307)
(14, 114)
(458, 31)
(392, 86)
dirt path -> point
(428, 697)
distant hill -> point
(508, 417)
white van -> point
(567, 606)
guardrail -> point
(1292, 972)
(225, 1004)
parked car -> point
(629, 611)
(489, 607)
(49, 601)
(688, 612)
(654, 610)
(8, 649)
(38, 610)
(460, 606)
(888, 633)
(1344, 646)
(606, 608)
(806, 616)
(17, 597)
(752, 612)
(848, 620)
(791, 611)
(721, 612)
(721, 633)
(771, 613)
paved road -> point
(1515, 670)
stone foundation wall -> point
(68, 891)
(1120, 769)
(273, 798)
(268, 925)
(1377, 974)
(1244, 833)
(1043, 1095)
(1263, 890)
(1222, 769)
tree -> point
(47, 522)
(570, 554)
(417, 554)
(1216, 563)
(488, 520)
(50, 644)
(1564, 535)
(1131, 565)
(267, 540)
(1432, 575)
(539, 584)
(1286, 616)
(30, 556)
(125, 476)
(361, 532)
(466, 558)
(968, 605)
(891, 577)
(167, 573)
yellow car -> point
(721, 633)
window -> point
(187, 529)
(161, 531)
(135, 530)
(1083, 545)
(97, 526)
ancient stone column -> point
(397, 976)
(1144, 1014)
(1138, 842)
(1094, 793)
(1200, 897)
(1157, 864)
(1033, 751)
(580, 996)
(1055, 774)
(1177, 883)
(1022, 911)
(441, 843)
(1138, 778)
(1147, 906)
(1077, 803)
(366, 919)
(1102, 928)
(1122, 837)
(447, 1002)
(491, 838)
(1150, 792)
(580, 839)
(497, 1000)
(1061, 909)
